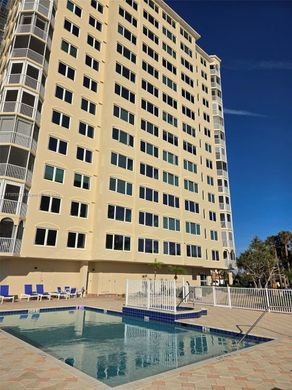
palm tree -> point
(286, 240)
(157, 265)
(176, 270)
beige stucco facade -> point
(145, 52)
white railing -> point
(8, 206)
(222, 172)
(35, 6)
(20, 107)
(22, 78)
(215, 71)
(226, 225)
(223, 189)
(26, 52)
(27, 28)
(11, 170)
(151, 294)
(9, 245)
(17, 138)
(276, 300)
(224, 206)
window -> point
(74, 8)
(125, 14)
(119, 213)
(45, 237)
(91, 62)
(66, 71)
(96, 5)
(210, 180)
(169, 100)
(170, 119)
(185, 34)
(193, 228)
(170, 178)
(169, 50)
(76, 240)
(122, 161)
(89, 83)
(194, 251)
(54, 174)
(148, 148)
(188, 112)
(95, 23)
(191, 206)
(170, 157)
(151, 35)
(150, 69)
(121, 186)
(149, 87)
(186, 64)
(86, 129)
(170, 200)
(149, 171)
(81, 181)
(88, 106)
(204, 75)
(211, 198)
(84, 154)
(209, 163)
(132, 4)
(118, 242)
(71, 27)
(205, 102)
(190, 186)
(150, 107)
(124, 114)
(188, 96)
(214, 235)
(169, 137)
(61, 119)
(168, 19)
(124, 51)
(125, 72)
(79, 209)
(186, 49)
(169, 66)
(57, 145)
(127, 34)
(215, 255)
(147, 245)
(207, 132)
(148, 194)
(123, 137)
(189, 147)
(148, 219)
(206, 117)
(171, 224)
(151, 53)
(63, 94)
(187, 80)
(169, 34)
(189, 129)
(190, 166)
(150, 19)
(69, 48)
(149, 128)
(212, 216)
(169, 83)
(171, 248)
(93, 42)
(124, 93)
(50, 204)
(152, 5)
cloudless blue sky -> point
(254, 41)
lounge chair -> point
(41, 292)
(4, 294)
(59, 293)
(72, 292)
(28, 293)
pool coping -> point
(131, 385)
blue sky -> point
(254, 41)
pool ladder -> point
(251, 327)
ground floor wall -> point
(100, 277)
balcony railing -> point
(13, 207)
(215, 72)
(30, 28)
(224, 206)
(223, 189)
(220, 156)
(218, 126)
(10, 245)
(22, 78)
(29, 53)
(19, 107)
(219, 141)
(35, 6)
(15, 171)
(226, 225)
(217, 99)
(18, 139)
(227, 243)
(215, 84)
(221, 172)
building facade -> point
(112, 147)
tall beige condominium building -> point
(112, 147)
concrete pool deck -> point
(263, 367)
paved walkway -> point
(263, 367)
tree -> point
(176, 270)
(157, 265)
(286, 242)
(259, 262)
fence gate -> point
(221, 296)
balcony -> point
(221, 172)
(21, 108)
(35, 6)
(30, 28)
(216, 98)
(216, 84)
(13, 207)
(224, 206)
(27, 53)
(15, 171)
(22, 78)
(223, 190)
(10, 245)
(18, 139)
(227, 243)
(226, 225)
(221, 155)
(219, 141)
(216, 111)
(215, 72)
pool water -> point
(115, 349)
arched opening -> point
(6, 228)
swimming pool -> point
(116, 349)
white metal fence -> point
(151, 294)
(276, 300)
